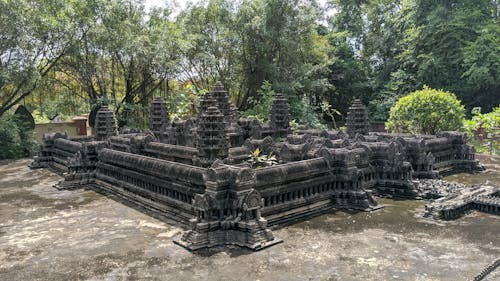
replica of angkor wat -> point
(197, 172)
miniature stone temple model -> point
(197, 172)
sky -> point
(180, 4)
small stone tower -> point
(158, 116)
(357, 119)
(105, 124)
(280, 115)
(221, 96)
(212, 141)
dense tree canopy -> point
(62, 57)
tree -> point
(281, 44)
(426, 111)
(211, 45)
(35, 36)
(125, 58)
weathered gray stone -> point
(197, 171)
(357, 119)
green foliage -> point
(426, 111)
(60, 57)
(132, 116)
(15, 141)
(347, 73)
(35, 36)
(260, 108)
(185, 103)
(258, 160)
(295, 127)
(280, 43)
(402, 45)
(302, 110)
(484, 129)
(331, 112)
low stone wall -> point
(72, 129)
(378, 126)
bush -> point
(261, 108)
(484, 129)
(15, 142)
(426, 111)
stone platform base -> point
(253, 247)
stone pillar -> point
(212, 141)
(280, 116)
(105, 124)
(357, 119)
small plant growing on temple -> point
(294, 126)
(329, 111)
(258, 160)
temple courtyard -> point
(47, 234)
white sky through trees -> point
(181, 4)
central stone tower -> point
(212, 141)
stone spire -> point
(206, 101)
(221, 96)
(357, 119)
(105, 124)
(158, 115)
(212, 140)
(280, 116)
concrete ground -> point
(46, 234)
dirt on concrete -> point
(47, 234)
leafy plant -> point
(485, 130)
(261, 107)
(426, 111)
(15, 142)
(304, 112)
(132, 116)
(329, 111)
(295, 126)
(259, 160)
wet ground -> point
(46, 234)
